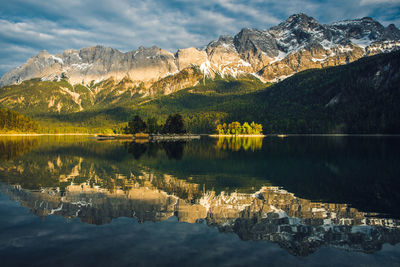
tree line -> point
(235, 128)
(13, 121)
(173, 125)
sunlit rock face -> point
(297, 44)
(223, 59)
(96, 64)
(190, 56)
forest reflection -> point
(302, 193)
(239, 143)
(12, 147)
(173, 150)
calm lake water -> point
(299, 200)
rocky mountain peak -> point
(368, 19)
(392, 27)
(366, 28)
(297, 32)
(296, 44)
(300, 20)
(146, 51)
(152, 48)
(391, 33)
(224, 40)
(255, 41)
(97, 53)
(43, 54)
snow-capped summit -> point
(298, 43)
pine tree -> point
(136, 125)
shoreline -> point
(339, 135)
(316, 135)
(38, 134)
(237, 135)
(174, 137)
(210, 135)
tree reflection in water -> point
(136, 149)
(173, 150)
(12, 147)
(237, 143)
(343, 195)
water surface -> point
(296, 200)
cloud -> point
(376, 2)
(57, 25)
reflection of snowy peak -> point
(298, 225)
(294, 45)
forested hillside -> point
(11, 121)
(199, 106)
(362, 97)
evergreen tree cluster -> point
(235, 128)
(173, 125)
(13, 121)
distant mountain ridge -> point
(297, 44)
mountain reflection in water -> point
(98, 182)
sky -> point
(29, 26)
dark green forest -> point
(11, 121)
(361, 97)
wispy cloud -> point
(375, 2)
(28, 26)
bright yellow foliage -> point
(235, 128)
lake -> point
(299, 200)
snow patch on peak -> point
(319, 59)
(205, 68)
(281, 55)
(57, 59)
(386, 46)
(51, 77)
(362, 42)
(326, 44)
(244, 63)
(82, 66)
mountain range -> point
(294, 45)
(230, 79)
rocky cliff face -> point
(297, 44)
(96, 64)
